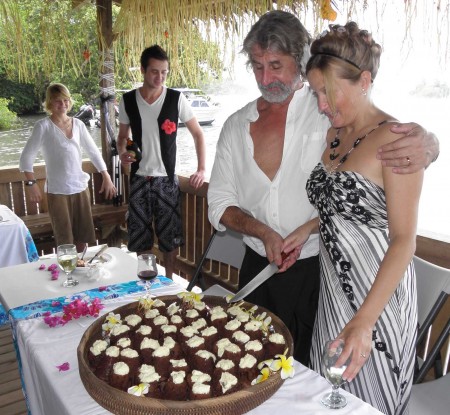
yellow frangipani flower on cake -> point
(286, 365)
(145, 302)
(267, 362)
(263, 375)
(110, 321)
(139, 390)
(190, 296)
(265, 321)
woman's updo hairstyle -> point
(348, 47)
(345, 52)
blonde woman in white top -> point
(61, 139)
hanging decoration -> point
(326, 11)
(191, 31)
(86, 54)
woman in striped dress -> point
(367, 224)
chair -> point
(226, 247)
(433, 289)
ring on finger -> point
(408, 160)
(363, 355)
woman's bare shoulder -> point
(384, 135)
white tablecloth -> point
(13, 237)
(25, 284)
(50, 392)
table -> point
(50, 391)
(41, 348)
(26, 283)
(17, 244)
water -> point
(13, 141)
(430, 112)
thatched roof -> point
(184, 28)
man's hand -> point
(126, 158)
(273, 243)
(410, 153)
(197, 179)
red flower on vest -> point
(169, 127)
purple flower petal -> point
(64, 367)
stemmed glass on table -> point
(147, 269)
(331, 352)
(67, 259)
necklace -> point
(336, 142)
(64, 125)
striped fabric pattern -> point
(354, 239)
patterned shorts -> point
(154, 201)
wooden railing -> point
(197, 231)
(107, 218)
(197, 228)
(110, 221)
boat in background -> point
(204, 110)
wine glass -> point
(67, 259)
(147, 268)
(331, 352)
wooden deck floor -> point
(12, 401)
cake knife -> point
(264, 275)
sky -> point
(412, 85)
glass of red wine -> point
(147, 269)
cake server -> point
(99, 252)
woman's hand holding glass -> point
(333, 372)
(358, 345)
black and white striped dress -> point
(354, 240)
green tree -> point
(7, 117)
(43, 41)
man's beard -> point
(280, 94)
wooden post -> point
(104, 20)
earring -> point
(364, 92)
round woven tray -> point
(122, 403)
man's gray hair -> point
(279, 31)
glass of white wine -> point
(67, 260)
(331, 352)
